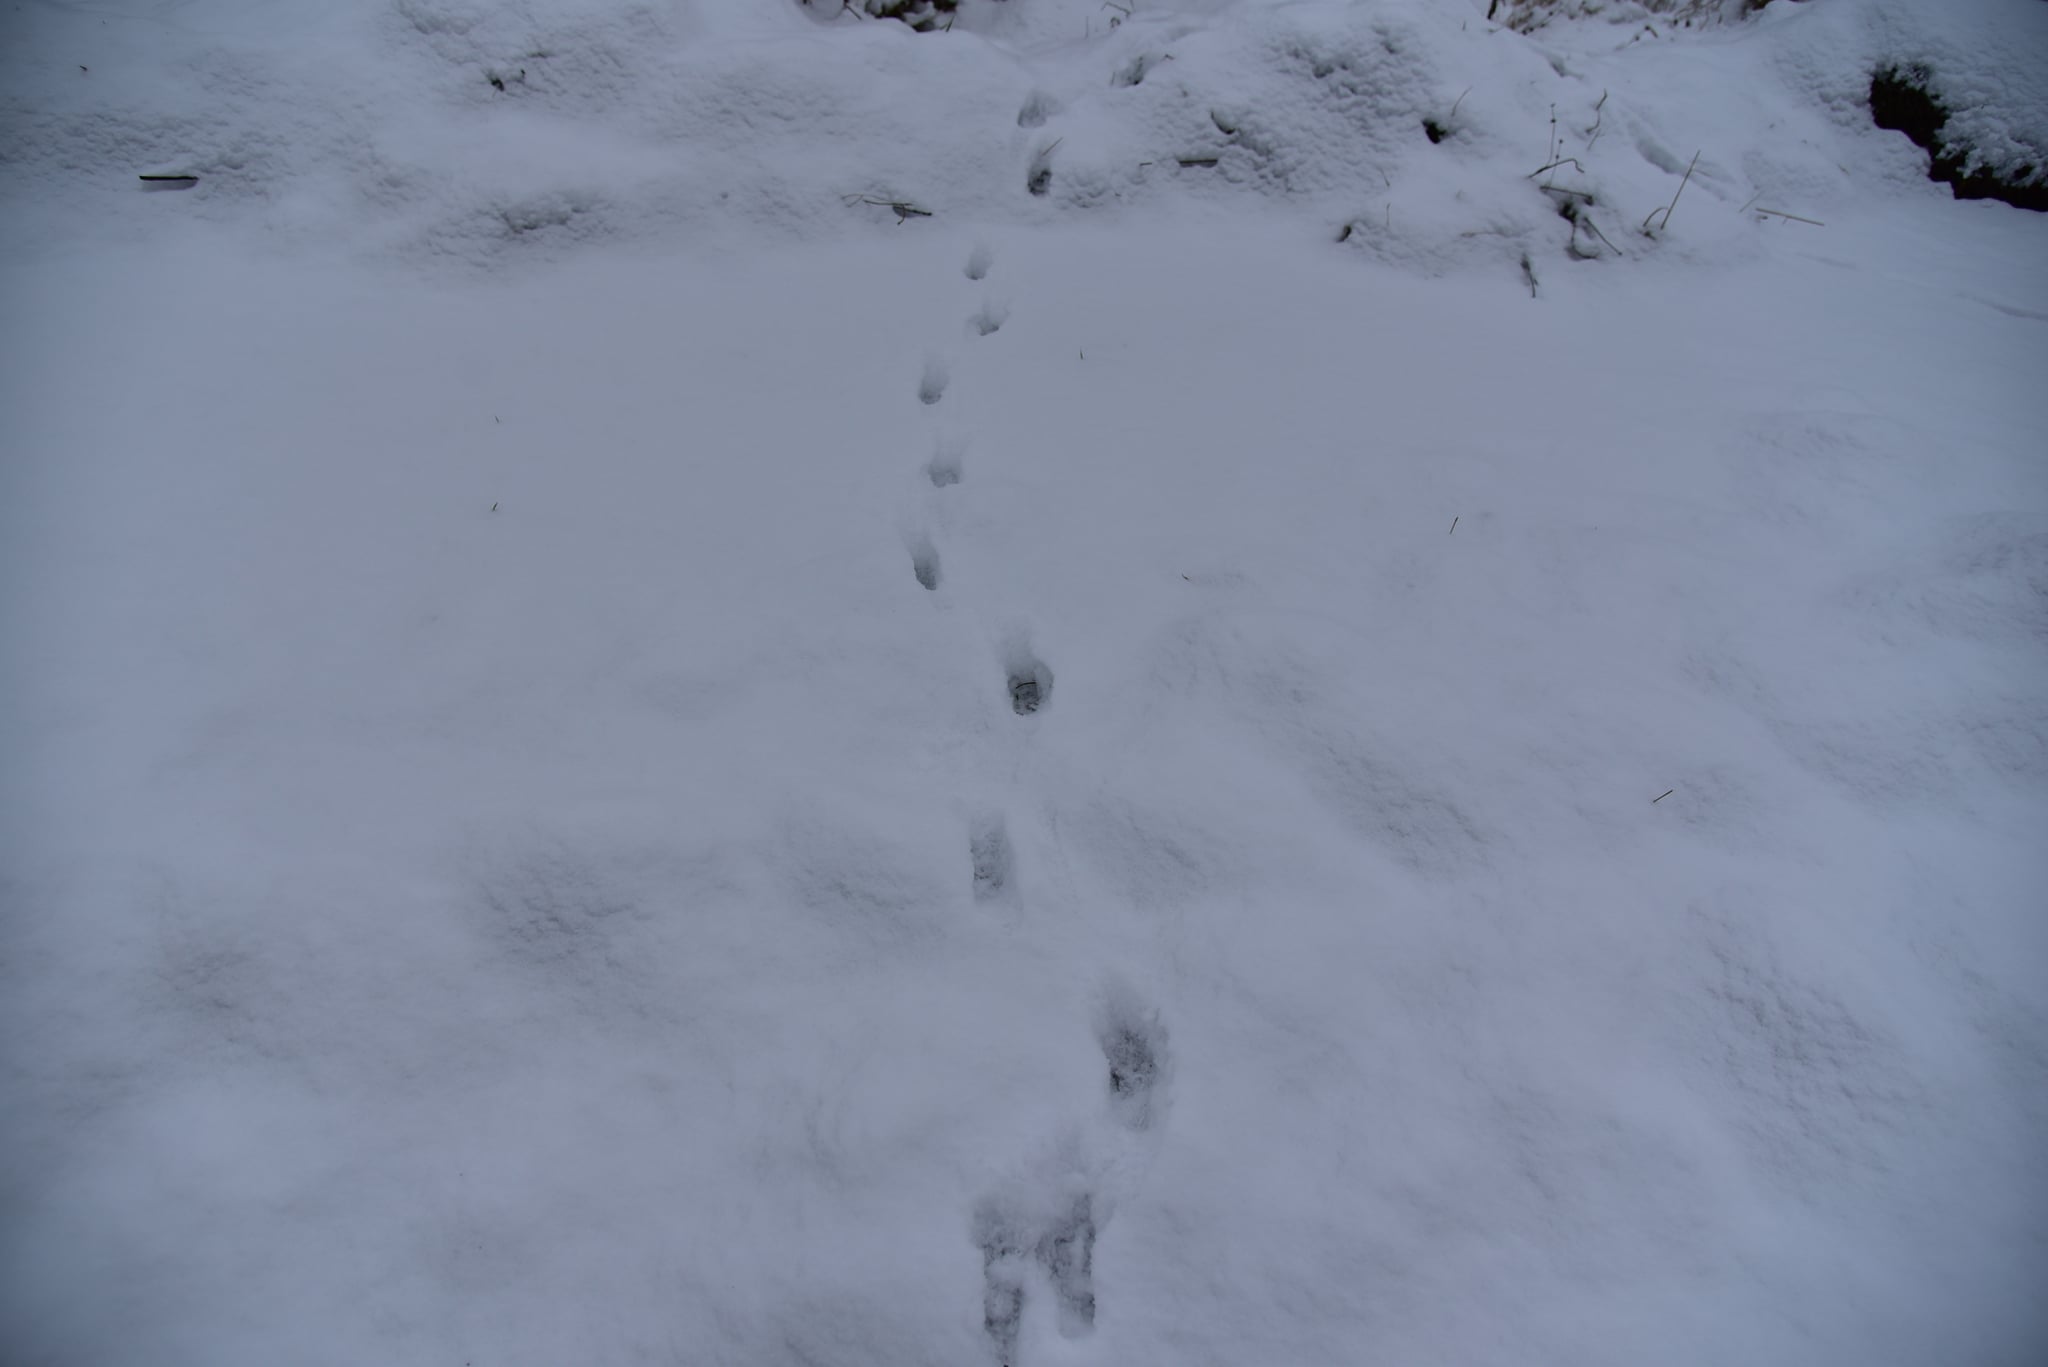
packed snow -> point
(1191, 683)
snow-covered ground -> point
(1255, 737)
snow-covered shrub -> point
(1526, 15)
(1903, 97)
(921, 15)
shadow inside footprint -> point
(1067, 1251)
(989, 318)
(1132, 1065)
(1036, 109)
(1038, 176)
(1002, 1270)
(1134, 1046)
(978, 262)
(1030, 691)
(932, 387)
(988, 851)
(944, 466)
(924, 563)
(1030, 679)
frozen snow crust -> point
(1279, 685)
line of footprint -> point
(1029, 678)
(1043, 1222)
(1040, 1226)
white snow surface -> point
(1237, 743)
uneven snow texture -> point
(617, 747)
(450, 134)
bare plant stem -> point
(1666, 210)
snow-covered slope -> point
(616, 751)
(444, 134)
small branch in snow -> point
(1585, 221)
(1455, 103)
(1666, 210)
(1572, 162)
(905, 210)
(1661, 796)
(1454, 527)
(1780, 213)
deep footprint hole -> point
(1133, 1066)
(1030, 687)
(1134, 1051)
(1038, 180)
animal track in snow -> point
(1030, 683)
(978, 262)
(1002, 1270)
(1134, 1046)
(1036, 109)
(1061, 1243)
(1067, 1251)
(1050, 1219)
(944, 466)
(989, 317)
(932, 387)
(1133, 72)
(1038, 179)
(924, 563)
(988, 849)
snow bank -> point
(441, 134)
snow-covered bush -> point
(1525, 15)
(921, 15)
(1903, 97)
